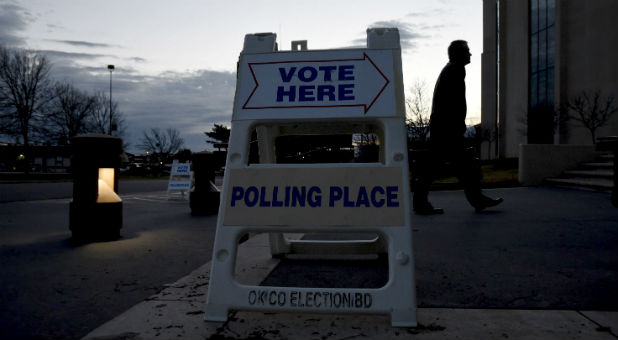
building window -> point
(542, 45)
(541, 95)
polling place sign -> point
(180, 176)
(312, 93)
(311, 84)
(315, 196)
(180, 180)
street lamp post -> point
(111, 69)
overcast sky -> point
(176, 60)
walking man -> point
(448, 116)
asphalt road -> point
(52, 288)
(13, 192)
(543, 248)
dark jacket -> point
(448, 113)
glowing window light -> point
(106, 187)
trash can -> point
(95, 213)
(204, 196)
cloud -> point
(436, 12)
(83, 43)
(409, 34)
(12, 21)
(53, 27)
(190, 102)
(71, 55)
(138, 59)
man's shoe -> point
(486, 202)
(427, 209)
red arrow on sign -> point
(365, 83)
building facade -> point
(538, 56)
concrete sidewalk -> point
(178, 312)
(542, 266)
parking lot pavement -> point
(53, 288)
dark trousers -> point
(463, 161)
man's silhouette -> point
(448, 115)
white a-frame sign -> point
(347, 92)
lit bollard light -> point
(95, 213)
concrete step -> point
(596, 173)
(600, 184)
(596, 165)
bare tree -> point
(24, 83)
(162, 143)
(101, 115)
(419, 112)
(70, 113)
(592, 111)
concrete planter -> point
(539, 161)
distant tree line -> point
(35, 109)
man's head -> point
(459, 52)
